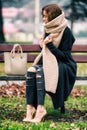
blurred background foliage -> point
(22, 21)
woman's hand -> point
(48, 39)
(45, 41)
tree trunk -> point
(72, 14)
(72, 24)
(2, 38)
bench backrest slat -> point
(31, 57)
(79, 48)
(34, 48)
(25, 47)
(79, 52)
(80, 58)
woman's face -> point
(45, 17)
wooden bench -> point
(79, 53)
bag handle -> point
(19, 50)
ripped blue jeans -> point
(35, 86)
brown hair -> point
(52, 10)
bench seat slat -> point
(11, 78)
(23, 77)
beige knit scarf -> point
(50, 65)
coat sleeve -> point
(64, 49)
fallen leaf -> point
(53, 125)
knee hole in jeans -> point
(38, 76)
(31, 69)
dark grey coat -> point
(67, 68)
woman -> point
(54, 70)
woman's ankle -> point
(40, 107)
(30, 106)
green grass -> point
(12, 111)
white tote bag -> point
(15, 62)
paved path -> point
(80, 82)
(10, 82)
